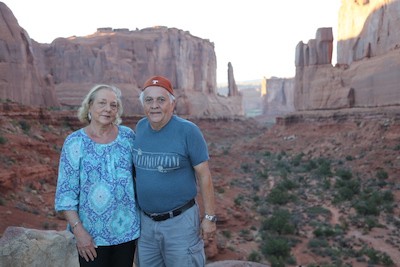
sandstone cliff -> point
(19, 73)
(64, 71)
(368, 60)
(278, 99)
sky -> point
(258, 37)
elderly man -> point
(169, 154)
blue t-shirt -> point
(164, 160)
(96, 181)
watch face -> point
(212, 218)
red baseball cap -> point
(159, 81)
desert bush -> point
(324, 167)
(254, 256)
(279, 222)
(267, 154)
(346, 189)
(278, 196)
(317, 210)
(324, 231)
(367, 207)
(318, 243)
(349, 158)
(310, 165)
(245, 167)
(297, 159)
(344, 174)
(238, 200)
(387, 196)
(276, 261)
(381, 174)
(25, 126)
(287, 184)
(276, 247)
(3, 140)
(227, 233)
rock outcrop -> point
(278, 98)
(64, 71)
(20, 77)
(232, 87)
(22, 247)
(368, 60)
(367, 29)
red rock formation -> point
(20, 79)
(124, 58)
(278, 99)
(367, 29)
(232, 87)
(368, 60)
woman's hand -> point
(84, 243)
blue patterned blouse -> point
(96, 181)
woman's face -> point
(104, 107)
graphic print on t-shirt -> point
(154, 161)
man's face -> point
(158, 107)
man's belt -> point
(173, 213)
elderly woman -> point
(95, 189)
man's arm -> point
(203, 175)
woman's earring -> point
(89, 116)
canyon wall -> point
(62, 72)
(19, 74)
(278, 96)
(368, 60)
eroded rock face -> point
(22, 247)
(65, 70)
(368, 60)
(20, 78)
(278, 99)
(367, 29)
(317, 51)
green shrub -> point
(344, 174)
(280, 223)
(324, 167)
(278, 196)
(287, 184)
(238, 200)
(227, 233)
(367, 207)
(25, 126)
(324, 231)
(267, 154)
(276, 247)
(318, 243)
(3, 140)
(310, 165)
(349, 158)
(381, 174)
(297, 159)
(387, 196)
(317, 210)
(254, 256)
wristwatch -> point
(211, 218)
